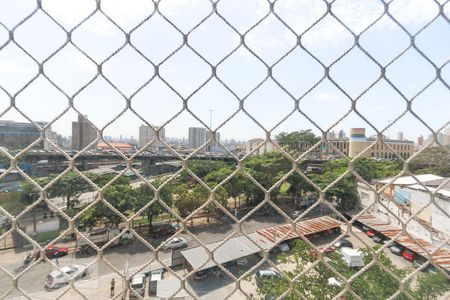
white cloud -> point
(10, 67)
(325, 96)
(82, 62)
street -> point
(136, 254)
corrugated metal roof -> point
(304, 227)
(408, 180)
(241, 246)
(443, 191)
(441, 257)
(232, 249)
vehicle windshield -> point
(136, 286)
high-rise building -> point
(83, 133)
(441, 138)
(197, 137)
(447, 136)
(147, 133)
(331, 135)
(214, 146)
(341, 134)
(400, 136)
(17, 135)
(420, 141)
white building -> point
(254, 143)
(214, 146)
(197, 137)
(405, 197)
(147, 133)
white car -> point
(296, 213)
(64, 275)
(283, 247)
(175, 243)
(333, 281)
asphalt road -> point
(134, 255)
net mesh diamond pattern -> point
(295, 36)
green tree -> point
(144, 194)
(374, 283)
(69, 187)
(431, 286)
(221, 196)
(103, 179)
(121, 197)
(293, 139)
(189, 199)
(435, 160)
(267, 169)
(234, 186)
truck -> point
(352, 257)
(101, 236)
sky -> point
(128, 69)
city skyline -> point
(185, 71)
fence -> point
(251, 24)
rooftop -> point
(409, 180)
(440, 256)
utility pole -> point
(210, 131)
(210, 118)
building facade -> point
(83, 133)
(404, 197)
(197, 137)
(18, 135)
(213, 146)
(147, 133)
(252, 144)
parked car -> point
(53, 252)
(371, 233)
(333, 281)
(177, 226)
(284, 247)
(397, 249)
(137, 284)
(325, 250)
(242, 262)
(155, 276)
(429, 268)
(200, 275)
(295, 214)
(267, 274)
(64, 275)
(378, 239)
(175, 243)
(409, 255)
(343, 243)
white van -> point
(352, 257)
(155, 276)
(137, 284)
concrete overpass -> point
(42, 163)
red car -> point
(54, 252)
(409, 255)
(371, 233)
(324, 250)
